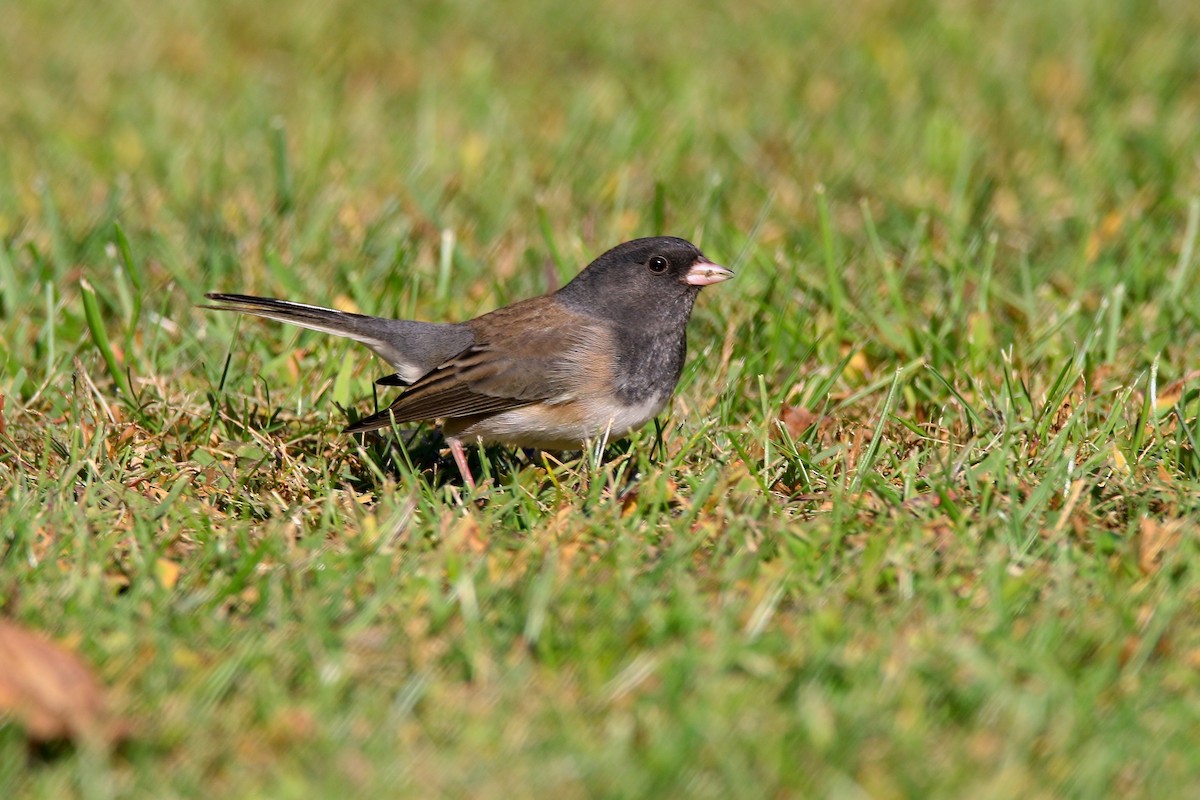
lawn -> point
(921, 520)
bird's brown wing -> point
(532, 351)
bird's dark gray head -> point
(657, 276)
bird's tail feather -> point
(339, 323)
(412, 347)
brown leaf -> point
(1154, 538)
(1172, 393)
(796, 420)
(928, 499)
(50, 691)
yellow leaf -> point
(857, 367)
(167, 572)
(1120, 464)
(473, 152)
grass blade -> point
(95, 323)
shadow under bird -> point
(600, 357)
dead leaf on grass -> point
(51, 691)
(857, 368)
(1120, 463)
(928, 500)
(1170, 395)
(1154, 539)
(1104, 233)
(167, 572)
(796, 420)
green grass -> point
(966, 241)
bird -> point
(599, 357)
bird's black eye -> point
(657, 264)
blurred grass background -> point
(924, 521)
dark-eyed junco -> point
(598, 358)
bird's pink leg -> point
(460, 459)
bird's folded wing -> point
(530, 352)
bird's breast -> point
(648, 367)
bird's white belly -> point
(558, 426)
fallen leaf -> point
(51, 691)
(928, 500)
(1170, 395)
(1154, 538)
(629, 505)
(168, 573)
(857, 367)
(467, 535)
(796, 420)
(1120, 463)
(1099, 238)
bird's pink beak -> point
(706, 273)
